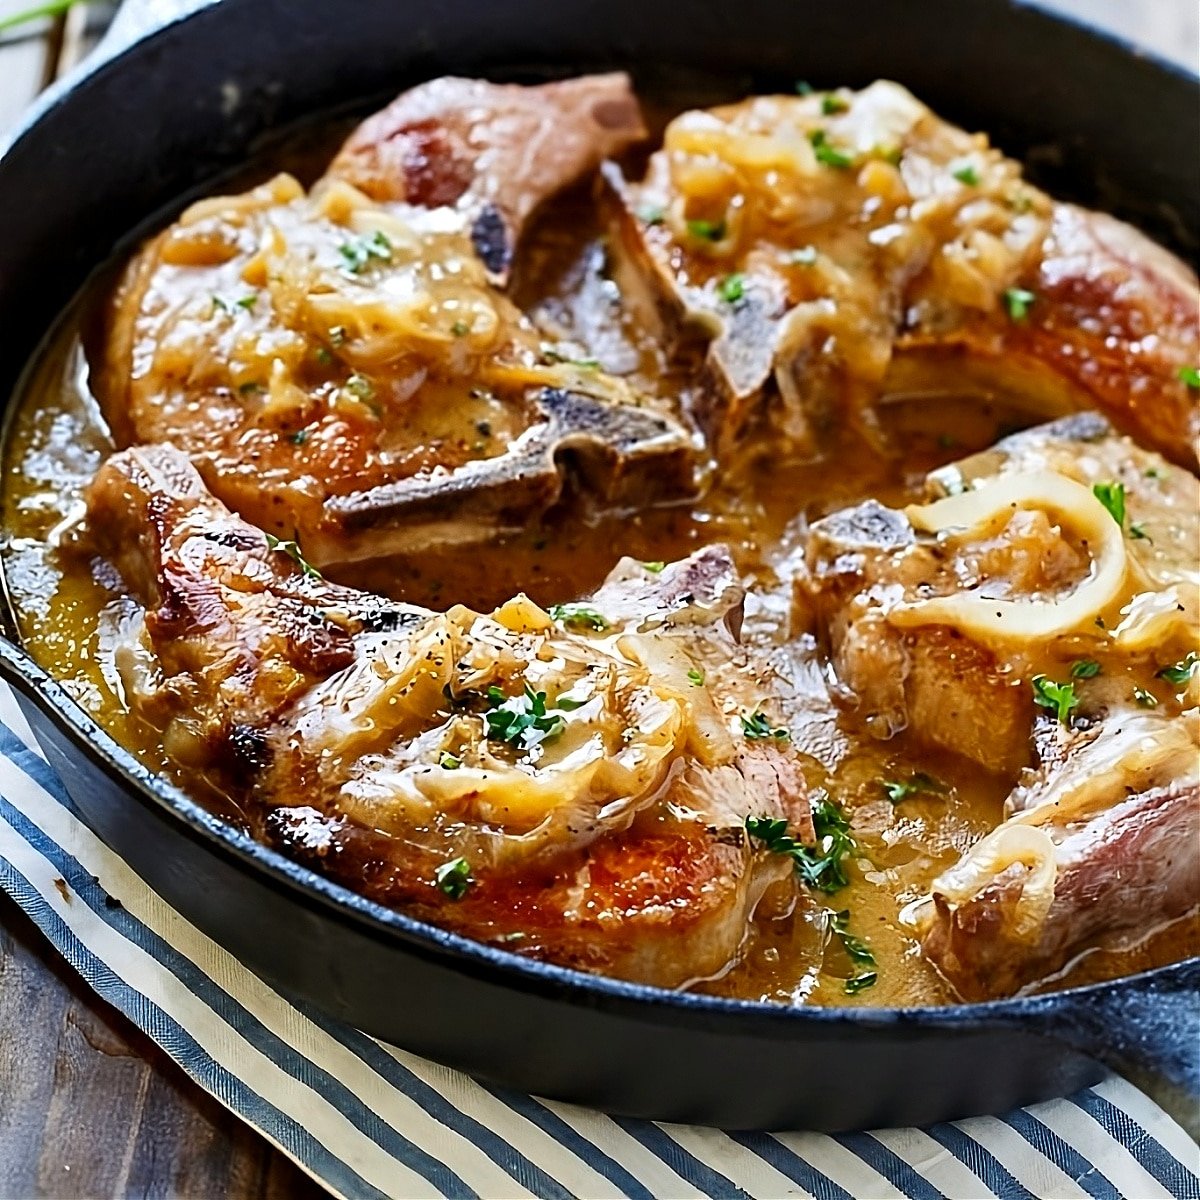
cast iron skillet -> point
(138, 132)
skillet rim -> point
(154, 791)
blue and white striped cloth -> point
(369, 1120)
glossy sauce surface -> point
(68, 606)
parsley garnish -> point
(1144, 698)
(448, 761)
(1085, 668)
(250, 388)
(655, 568)
(695, 678)
(1059, 698)
(832, 103)
(1018, 301)
(248, 302)
(460, 329)
(1190, 376)
(299, 437)
(551, 355)
(820, 866)
(732, 288)
(966, 173)
(291, 548)
(523, 720)
(707, 231)
(1137, 531)
(1179, 673)
(575, 614)
(453, 878)
(757, 728)
(360, 387)
(857, 951)
(901, 789)
(322, 356)
(831, 156)
(358, 252)
(1112, 496)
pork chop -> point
(573, 783)
(834, 249)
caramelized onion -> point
(990, 619)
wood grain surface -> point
(89, 1106)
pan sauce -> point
(67, 608)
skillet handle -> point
(1146, 1028)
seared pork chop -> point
(493, 151)
(939, 618)
(339, 364)
(574, 783)
(1057, 573)
(1102, 845)
(835, 249)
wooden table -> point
(89, 1106)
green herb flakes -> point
(757, 728)
(1085, 668)
(827, 154)
(707, 231)
(898, 790)
(1018, 302)
(580, 616)
(1058, 698)
(358, 253)
(291, 547)
(1181, 672)
(732, 288)
(1112, 496)
(453, 878)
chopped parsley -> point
(829, 155)
(695, 678)
(1059, 698)
(251, 388)
(1085, 668)
(1018, 302)
(248, 302)
(360, 387)
(1190, 376)
(299, 437)
(524, 720)
(901, 789)
(1112, 496)
(579, 615)
(358, 253)
(1144, 698)
(832, 103)
(652, 214)
(291, 547)
(1179, 673)
(219, 305)
(732, 288)
(552, 355)
(460, 329)
(821, 866)
(857, 951)
(966, 173)
(1137, 531)
(655, 568)
(757, 728)
(448, 761)
(453, 878)
(322, 356)
(707, 231)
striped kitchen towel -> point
(369, 1120)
